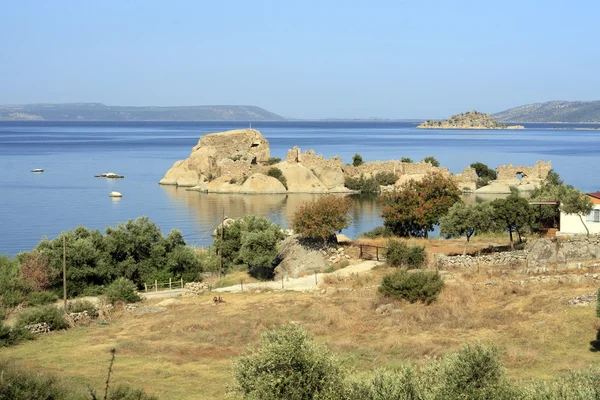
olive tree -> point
(432, 160)
(467, 220)
(513, 214)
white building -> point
(572, 224)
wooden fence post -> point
(282, 281)
(155, 285)
(361, 256)
(242, 284)
(181, 283)
(170, 288)
(145, 287)
(377, 252)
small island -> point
(468, 120)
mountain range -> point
(101, 112)
(553, 111)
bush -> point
(124, 392)
(386, 178)
(406, 160)
(273, 161)
(432, 160)
(399, 254)
(277, 174)
(259, 253)
(122, 290)
(10, 337)
(321, 218)
(357, 160)
(48, 314)
(41, 298)
(24, 384)
(362, 184)
(78, 306)
(379, 231)
(422, 286)
(598, 303)
(288, 365)
(13, 290)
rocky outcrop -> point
(259, 183)
(298, 258)
(243, 146)
(561, 251)
(300, 179)
(468, 120)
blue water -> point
(71, 153)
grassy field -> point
(185, 353)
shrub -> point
(288, 365)
(422, 286)
(386, 178)
(406, 160)
(48, 314)
(25, 384)
(273, 161)
(399, 254)
(598, 303)
(259, 253)
(10, 337)
(122, 290)
(379, 231)
(13, 290)
(362, 184)
(124, 392)
(321, 218)
(357, 160)
(233, 181)
(41, 298)
(277, 174)
(80, 305)
(432, 160)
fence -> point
(366, 252)
(164, 285)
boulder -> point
(178, 169)
(222, 185)
(188, 178)
(259, 183)
(169, 303)
(331, 178)
(300, 179)
(297, 258)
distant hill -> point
(553, 111)
(101, 112)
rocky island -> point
(239, 161)
(468, 120)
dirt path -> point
(304, 284)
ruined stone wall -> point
(467, 179)
(397, 167)
(235, 169)
(506, 258)
(539, 171)
(312, 160)
(561, 251)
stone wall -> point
(539, 171)
(467, 179)
(312, 160)
(235, 169)
(518, 257)
(394, 166)
(562, 251)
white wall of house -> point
(571, 223)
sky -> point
(302, 59)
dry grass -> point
(185, 353)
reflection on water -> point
(207, 209)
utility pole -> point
(65, 271)
(222, 240)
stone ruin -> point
(524, 178)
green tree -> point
(514, 214)
(467, 220)
(417, 207)
(321, 218)
(259, 252)
(357, 160)
(484, 173)
(399, 254)
(406, 160)
(288, 365)
(432, 160)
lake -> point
(33, 205)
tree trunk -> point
(426, 234)
(466, 244)
(520, 238)
(584, 225)
(512, 245)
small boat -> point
(115, 194)
(37, 170)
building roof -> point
(594, 194)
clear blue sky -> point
(305, 59)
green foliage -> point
(81, 305)
(25, 384)
(288, 365)
(12, 336)
(417, 207)
(406, 160)
(513, 214)
(374, 233)
(483, 171)
(598, 303)
(277, 174)
(48, 314)
(273, 161)
(41, 298)
(124, 392)
(362, 184)
(576, 385)
(321, 218)
(136, 250)
(432, 160)
(122, 289)
(13, 290)
(467, 220)
(415, 286)
(399, 254)
(386, 178)
(357, 160)
(236, 236)
(259, 253)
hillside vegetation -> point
(553, 111)
(101, 112)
